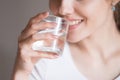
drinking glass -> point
(57, 45)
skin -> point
(94, 43)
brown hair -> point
(117, 15)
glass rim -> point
(57, 17)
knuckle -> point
(40, 15)
(33, 37)
(33, 26)
(47, 24)
(20, 44)
(32, 20)
(21, 36)
(22, 32)
(23, 54)
(23, 48)
(23, 43)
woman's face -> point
(84, 16)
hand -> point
(26, 57)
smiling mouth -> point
(75, 22)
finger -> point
(26, 53)
(37, 27)
(39, 17)
(39, 36)
(36, 56)
(34, 20)
(47, 37)
(40, 54)
(42, 25)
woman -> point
(92, 51)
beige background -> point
(14, 15)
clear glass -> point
(57, 45)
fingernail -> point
(46, 13)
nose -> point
(66, 8)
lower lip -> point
(74, 26)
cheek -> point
(95, 15)
(94, 19)
(93, 10)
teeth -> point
(74, 22)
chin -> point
(77, 38)
(73, 40)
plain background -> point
(14, 16)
